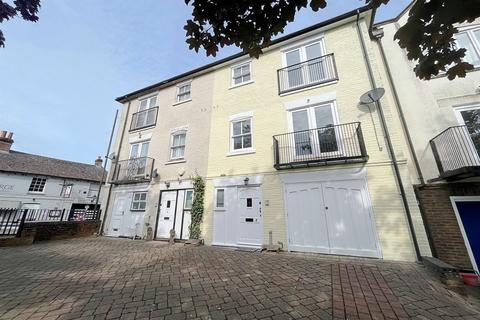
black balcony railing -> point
(144, 119)
(309, 73)
(321, 146)
(456, 151)
(133, 170)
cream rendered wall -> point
(195, 115)
(270, 118)
(427, 105)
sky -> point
(59, 77)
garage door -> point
(331, 217)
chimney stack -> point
(6, 141)
(99, 161)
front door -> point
(120, 212)
(249, 208)
(467, 210)
(166, 218)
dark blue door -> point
(469, 212)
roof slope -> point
(19, 162)
(324, 23)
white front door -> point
(249, 207)
(237, 219)
(166, 218)
(331, 217)
(120, 209)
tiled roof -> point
(19, 162)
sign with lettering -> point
(6, 187)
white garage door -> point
(331, 217)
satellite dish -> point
(372, 96)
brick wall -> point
(439, 215)
(60, 230)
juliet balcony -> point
(144, 119)
(135, 170)
(456, 151)
(306, 74)
(337, 144)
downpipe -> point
(117, 155)
(390, 148)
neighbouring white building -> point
(29, 181)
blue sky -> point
(59, 77)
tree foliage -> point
(251, 24)
(27, 9)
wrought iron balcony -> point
(133, 170)
(456, 151)
(306, 74)
(144, 119)
(321, 146)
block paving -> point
(105, 278)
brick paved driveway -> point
(101, 278)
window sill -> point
(240, 152)
(181, 102)
(133, 210)
(220, 209)
(241, 84)
(36, 192)
(175, 161)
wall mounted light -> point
(167, 184)
(245, 181)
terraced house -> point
(290, 154)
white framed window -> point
(66, 191)
(220, 199)
(139, 149)
(306, 64)
(184, 92)
(137, 163)
(241, 134)
(147, 103)
(188, 200)
(469, 116)
(469, 38)
(314, 129)
(241, 74)
(177, 145)
(37, 185)
(139, 201)
(146, 114)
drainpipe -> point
(378, 38)
(391, 151)
(117, 155)
(106, 160)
